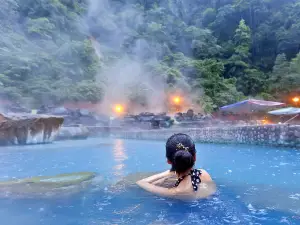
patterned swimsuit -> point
(195, 177)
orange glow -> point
(177, 100)
(296, 99)
(265, 122)
(119, 109)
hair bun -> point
(179, 142)
(183, 160)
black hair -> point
(181, 152)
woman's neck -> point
(184, 173)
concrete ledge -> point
(274, 135)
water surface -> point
(256, 185)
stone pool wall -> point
(275, 135)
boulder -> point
(190, 113)
(76, 132)
(46, 185)
(146, 120)
(76, 116)
(25, 128)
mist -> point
(130, 77)
(133, 53)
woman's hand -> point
(161, 181)
(156, 177)
(149, 184)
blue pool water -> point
(256, 185)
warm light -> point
(119, 109)
(176, 100)
(265, 122)
(296, 99)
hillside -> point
(216, 51)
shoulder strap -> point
(195, 176)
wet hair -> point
(181, 152)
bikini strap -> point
(195, 177)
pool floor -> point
(256, 185)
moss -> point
(57, 181)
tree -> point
(239, 61)
(252, 82)
(209, 16)
(242, 40)
(211, 49)
(87, 91)
(221, 91)
(281, 68)
(285, 77)
(41, 27)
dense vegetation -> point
(222, 50)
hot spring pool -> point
(256, 185)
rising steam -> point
(127, 78)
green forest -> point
(224, 50)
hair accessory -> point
(180, 146)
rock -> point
(190, 113)
(72, 133)
(190, 119)
(60, 111)
(20, 129)
(60, 180)
(146, 120)
(46, 185)
(76, 116)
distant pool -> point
(256, 185)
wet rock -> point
(77, 132)
(146, 120)
(76, 116)
(190, 119)
(20, 129)
(46, 186)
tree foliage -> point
(221, 50)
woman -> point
(190, 183)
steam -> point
(128, 60)
(128, 77)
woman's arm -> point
(147, 184)
(167, 182)
(158, 176)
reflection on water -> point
(120, 156)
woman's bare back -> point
(205, 189)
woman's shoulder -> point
(205, 177)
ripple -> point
(295, 196)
